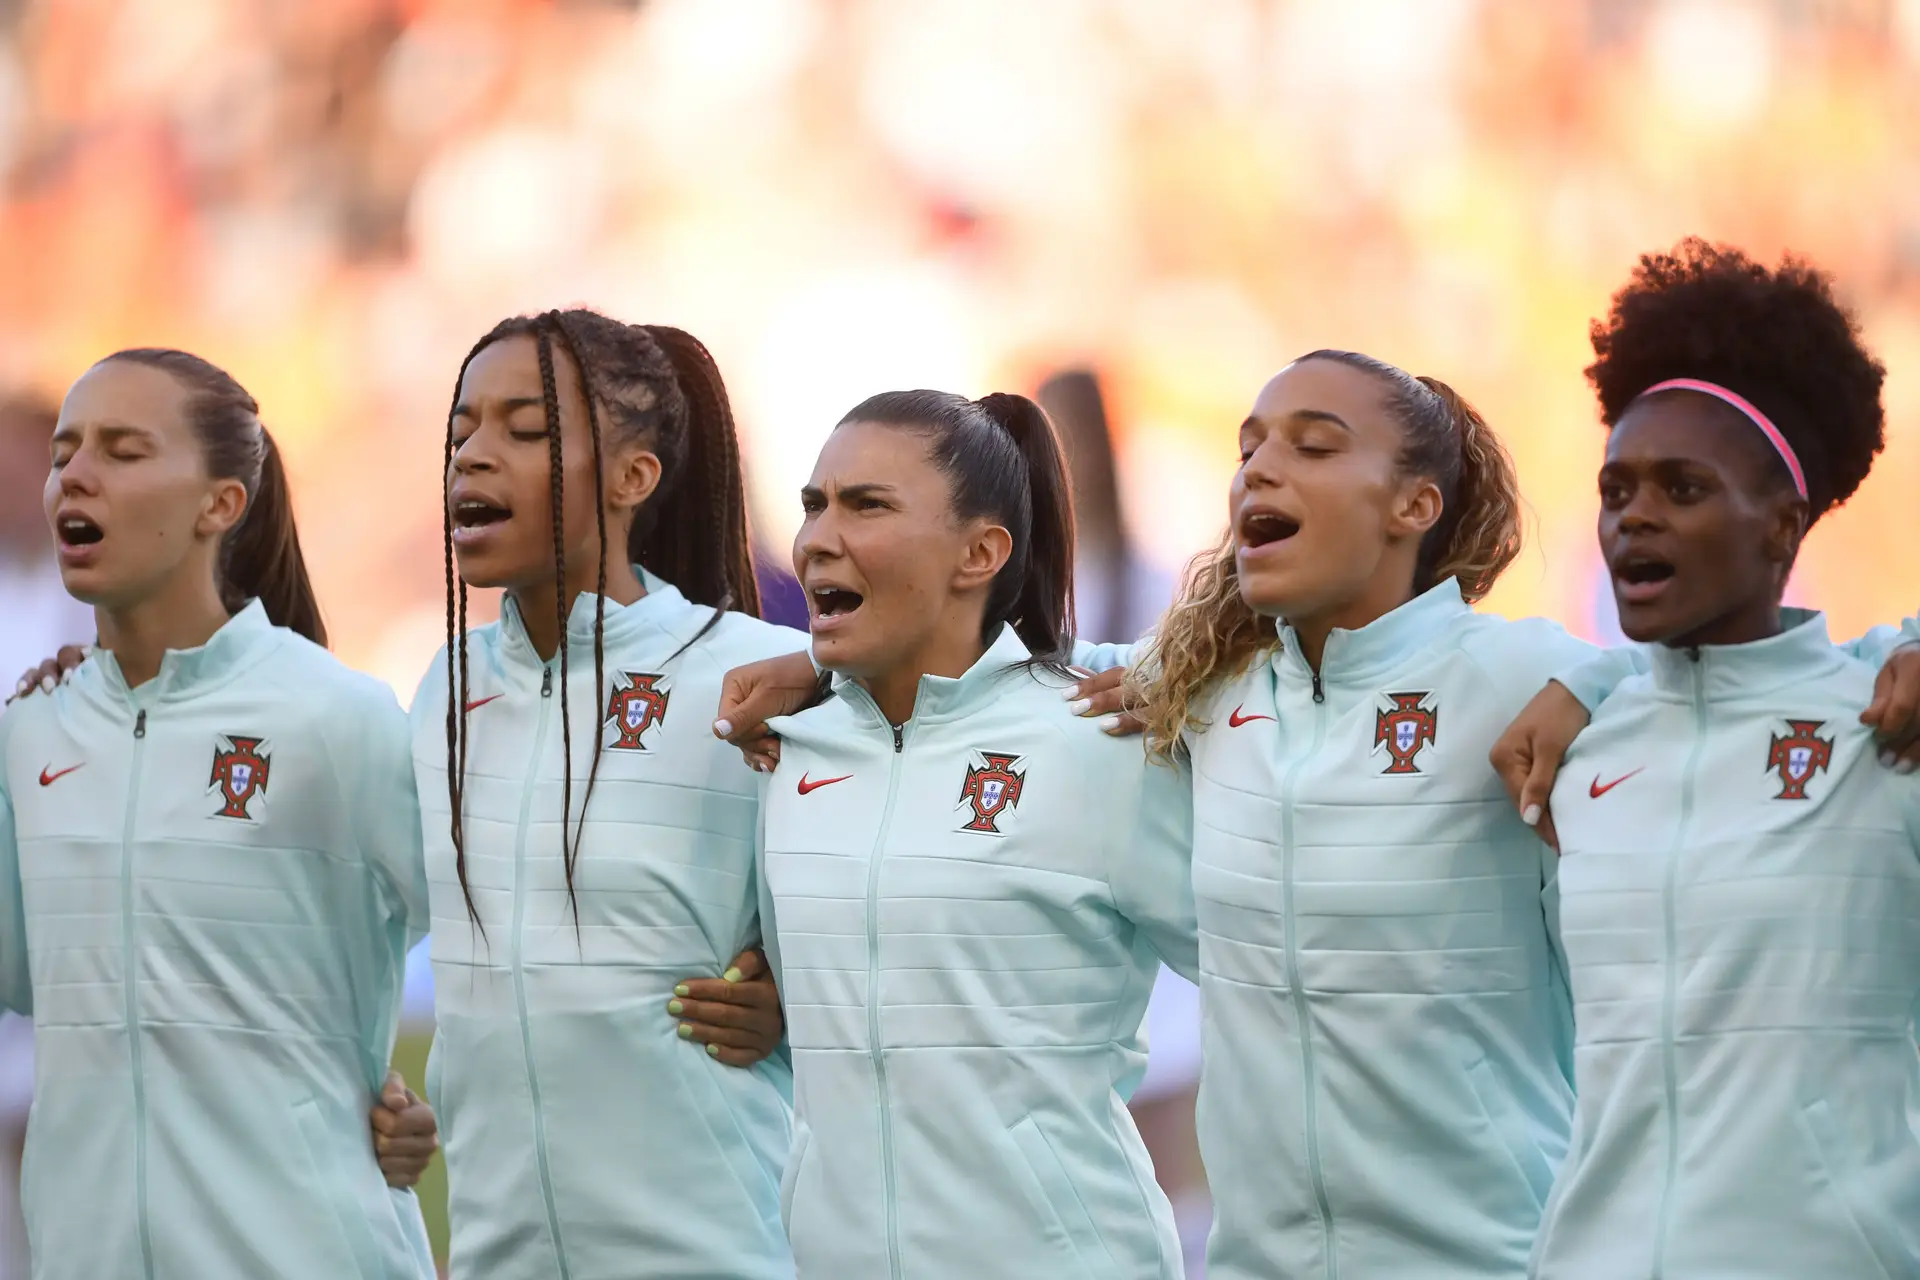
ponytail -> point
(263, 554)
(260, 558)
(693, 532)
(1478, 533)
(1034, 590)
(1211, 634)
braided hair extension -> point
(659, 385)
(571, 850)
(457, 648)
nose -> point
(1265, 466)
(818, 539)
(79, 475)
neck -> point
(540, 611)
(138, 635)
(894, 691)
(1312, 630)
(1758, 621)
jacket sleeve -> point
(1150, 872)
(16, 988)
(769, 929)
(1879, 643)
(1102, 657)
(380, 793)
(1560, 985)
(1595, 679)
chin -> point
(1273, 595)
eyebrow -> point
(1305, 415)
(848, 492)
(465, 410)
(110, 428)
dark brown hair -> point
(660, 386)
(1003, 461)
(260, 558)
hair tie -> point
(1753, 415)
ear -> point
(225, 504)
(632, 475)
(985, 553)
(1416, 508)
(1786, 527)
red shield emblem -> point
(1798, 756)
(992, 788)
(240, 773)
(634, 709)
(1404, 729)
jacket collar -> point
(185, 672)
(948, 697)
(662, 609)
(1722, 671)
(1360, 655)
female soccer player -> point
(1385, 1090)
(1740, 895)
(968, 889)
(209, 867)
(589, 844)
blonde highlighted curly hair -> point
(1210, 634)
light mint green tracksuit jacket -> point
(584, 1139)
(208, 886)
(1386, 1084)
(967, 913)
(1740, 902)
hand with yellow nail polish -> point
(735, 1016)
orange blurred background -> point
(334, 198)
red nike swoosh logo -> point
(48, 779)
(1235, 720)
(807, 788)
(1596, 790)
(477, 703)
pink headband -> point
(1745, 406)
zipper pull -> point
(140, 724)
(899, 740)
(1319, 690)
(546, 682)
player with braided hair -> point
(594, 475)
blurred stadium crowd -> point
(333, 198)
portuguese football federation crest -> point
(634, 708)
(1798, 756)
(1404, 729)
(239, 774)
(992, 788)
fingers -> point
(1538, 789)
(756, 693)
(748, 965)
(1104, 696)
(1895, 710)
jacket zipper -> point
(1669, 1068)
(130, 980)
(877, 1049)
(1315, 1174)
(520, 974)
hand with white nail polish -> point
(54, 672)
(1894, 713)
(1527, 757)
(1104, 695)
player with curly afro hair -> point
(1737, 891)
